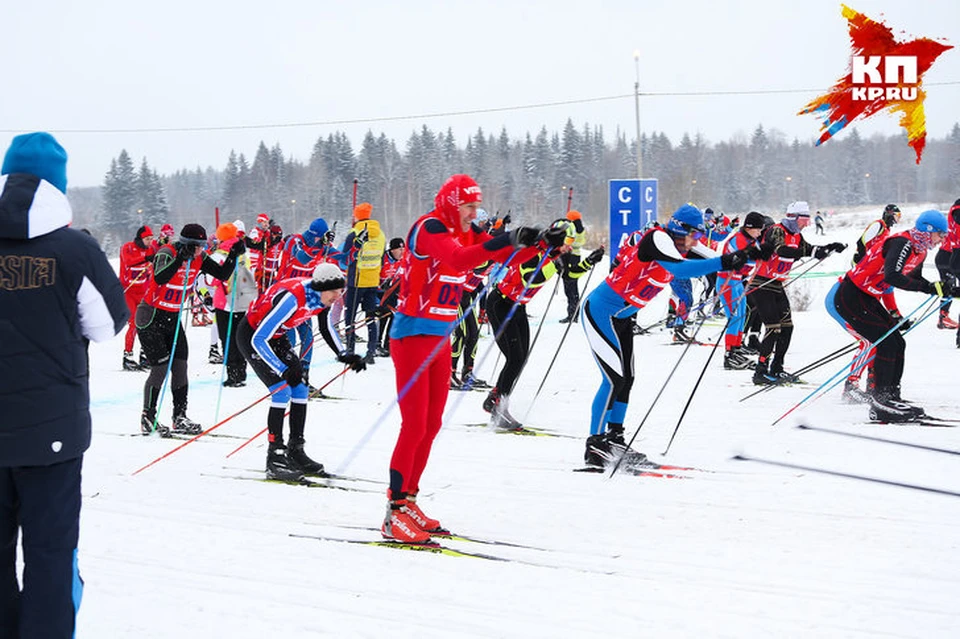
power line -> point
(443, 114)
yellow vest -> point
(370, 255)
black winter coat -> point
(57, 291)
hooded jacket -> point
(57, 291)
(364, 261)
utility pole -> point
(636, 100)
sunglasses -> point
(695, 232)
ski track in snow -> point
(746, 551)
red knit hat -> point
(166, 230)
(457, 190)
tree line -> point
(530, 177)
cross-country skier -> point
(948, 264)
(785, 245)
(175, 270)
(135, 258)
(263, 338)
(521, 282)
(442, 247)
(855, 302)
(877, 230)
(646, 262)
(730, 290)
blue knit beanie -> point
(314, 235)
(37, 154)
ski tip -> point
(803, 426)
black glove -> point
(766, 250)
(238, 248)
(524, 236)
(821, 252)
(554, 236)
(329, 236)
(936, 288)
(594, 257)
(352, 360)
(837, 247)
(735, 222)
(754, 252)
(506, 219)
(361, 237)
(897, 317)
(734, 261)
(578, 225)
(184, 251)
(293, 375)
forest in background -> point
(530, 177)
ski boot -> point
(300, 460)
(917, 411)
(279, 467)
(566, 320)
(455, 382)
(399, 525)
(369, 359)
(852, 393)
(147, 418)
(884, 408)
(761, 376)
(144, 362)
(681, 336)
(383, 352)
(632, 459)
(183, 425)
(424, 523)
(734, 361)
(945, 322)
(597, 453)
(130, 364)
(783, 377)
(492, 399)
(470, 382)
(501, 419)
(214, 356)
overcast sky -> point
(109, 64)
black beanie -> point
(753, 221)
(193, 234)
(396, 243)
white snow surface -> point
(739, 549)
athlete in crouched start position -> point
(646, 262)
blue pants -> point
(43, 502)
(608, 322)
(734, 303)
(682, 290)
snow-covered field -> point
(744, 550)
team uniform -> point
(438, 256)
(731, 292)
(948, 265)
(389, 292)
(855, 302)
(263, 339)
(175, 272)
(644, 265)
(466, 337)
(786, 245)
(135, 258)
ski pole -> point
(413, 380)
(660, 392)
(316, 393)
(830, 383)
(569, 198)
(506, 321)
(826, 359)
(196, 437)
(226, 347)
(355, 183)
(556, 353)
(683, 413)
(173, 346)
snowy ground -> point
(749, 550)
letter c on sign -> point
(624, 194)
(648, 194)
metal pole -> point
(636, 101)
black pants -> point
(942, 261)
(157, 331)
(571, 286)
(236, 365)
(467, 334)
(43, 502)
(388, 306)
(871, 321)
(513, 340)
(773, 307)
